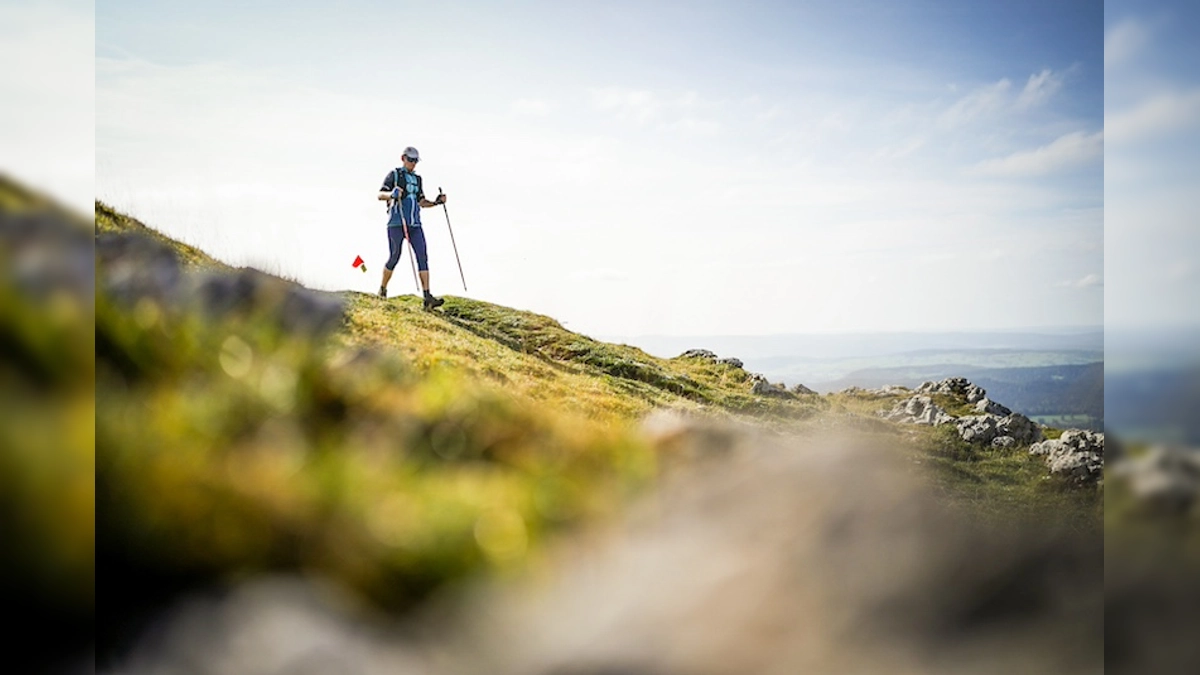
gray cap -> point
(410, 151)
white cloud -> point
(1124, 41)
(635, 105)
(982, 102)
(532, 106)
(1040, 87)
(770, 114)
(693, 126)
(1087, 281)
(901, 149)
(1065, 152)
(1164, 113)
(686, 113)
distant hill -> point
(1155, 404)
(779, 350)
(1040, 391)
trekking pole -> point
(411, 260)
(456, 259)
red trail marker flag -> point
(358, 262)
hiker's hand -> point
(395, 193)
(441, 199)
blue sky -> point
(1152, 108)
(635, 168)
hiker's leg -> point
(416, 237)
(395, 245)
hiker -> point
(402, 190)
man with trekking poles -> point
(403, 191)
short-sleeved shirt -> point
(407, 211)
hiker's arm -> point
(386, 193)
(387, 188)
(425, 203)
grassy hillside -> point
(394, 450)
(110, 221)
(47, 392)
(397, 452)
(535, 359)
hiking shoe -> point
(432, 302)
(383, 291)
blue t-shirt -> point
(407, 211)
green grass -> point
(1005, 483)
(47, 480)
(533, 357)
(409, 449)
(954, 405)
(996, 484)
(405, 451)
(230, 448)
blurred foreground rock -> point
(134, 267)
(1152, 562)
(1165, 479)
(817, 556)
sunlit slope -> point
(527, 355)
(109, 220)
(534, 358)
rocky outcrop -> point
(994, 426)
(997, 431)
(918, 410)
(759, 385)
(990, 407)
(1165, 478)
(1077, 455)
(954, 386)
(885, 391)
(764, 388)
(711, 356)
